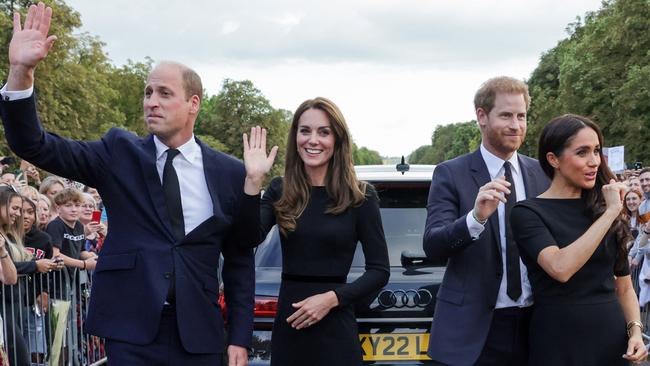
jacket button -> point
(498, 274)
(168, 275)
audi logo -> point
(404, 298)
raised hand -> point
(489, 196)
(614, 194)
(256, 161)
(29, 44)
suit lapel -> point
(481, 176)
(152, 182)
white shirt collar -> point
(495, 163)
(188, 150)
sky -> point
(396, 68)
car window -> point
(269, 253)
(402, 206)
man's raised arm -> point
(29, 45)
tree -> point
(238, 107)
(422, 155)
(73, 83)
(365, 156)
(130, 80)
(601, 71)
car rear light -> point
(266, 306)
(221, 301)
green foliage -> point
(447, 142)
(422, 155)
(238, 107)
(365, 156)
(81, 94)
(601, 71)
(130, 80)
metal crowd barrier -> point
(43, 321)
(639, 284)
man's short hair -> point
(644, 170)
(68, 195)
(192, 83)
(488, 91)
(191, 80)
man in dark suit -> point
(175, 205)
(483, 305)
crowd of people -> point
(538, 252)
(45, 226)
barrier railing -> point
(43, 321)
(641, 286)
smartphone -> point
(8, 160)
(97, 216)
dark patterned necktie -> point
(173, 196)
(513, 273)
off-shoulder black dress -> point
(316, 258)
(579, 322)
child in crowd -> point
(67, 231)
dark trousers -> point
(507, 341)
(165, 350)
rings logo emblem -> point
(404, 298)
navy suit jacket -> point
(469, 289)
(140, 254)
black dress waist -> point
(310, 278)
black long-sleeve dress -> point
(579, 322)
(316, 258)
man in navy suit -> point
(175, 206)
(483, 304)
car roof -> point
(389, 173)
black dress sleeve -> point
(530, 231)
(370, 233)
(267, 211)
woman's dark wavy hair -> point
(555, 138)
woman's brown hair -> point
(341, 183)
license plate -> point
(387, 347)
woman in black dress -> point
(322, 212)
(573, 240)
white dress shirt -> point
(195, 197)
(496, 169)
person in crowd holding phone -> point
(94, 230)
(322, 212)
(37, 242)
(6, 162)
(634, 183)
(484, 302)
(573, 240)
(8, 178)
(175, 205)
(15, 259)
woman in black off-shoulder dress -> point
(322, 212)
(573, 239)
